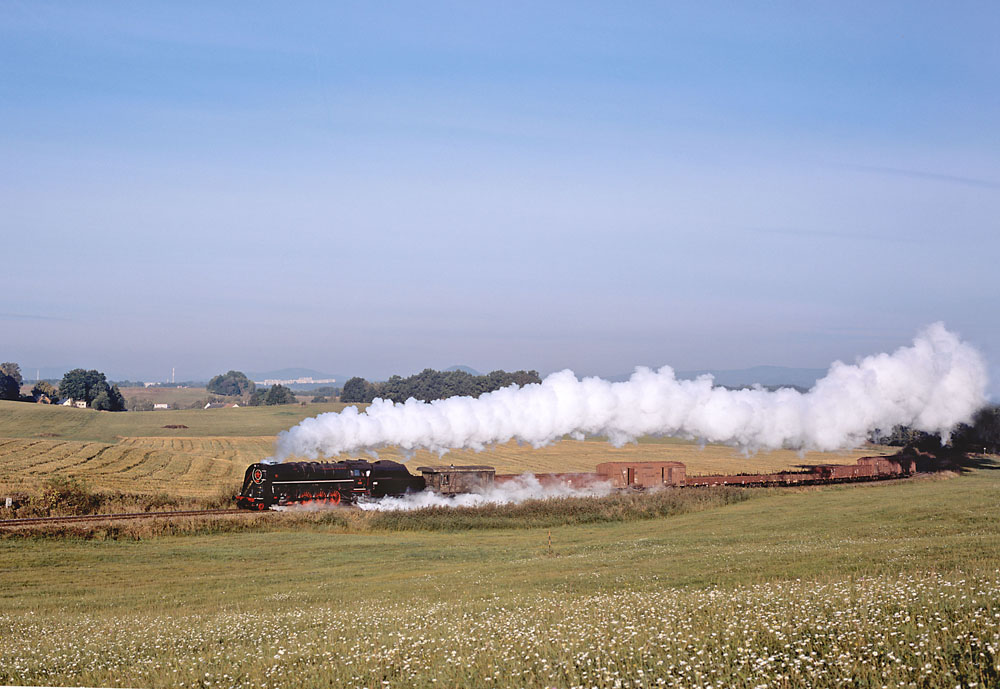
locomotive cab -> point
(256, 491)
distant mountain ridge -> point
(755, 375)
(291, 374)
(761, 375)
(467, 369)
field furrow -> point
(54, 458)
(135, 463)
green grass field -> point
(134, 451)
(21, 420)
(870, 585)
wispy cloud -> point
(922, 174)
(834, 234)
(29, 317)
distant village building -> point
(221, 405)
(79, 404)
(161, 405)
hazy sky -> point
(374, 188)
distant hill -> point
(290, 374)
(296, 373)
(468, 369)
(769, 376)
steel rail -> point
(119, 517)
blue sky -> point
(374, 187)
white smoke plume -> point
(512, 492)
(932, 385)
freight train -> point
(348, 481)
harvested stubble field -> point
(134, 451)
(182, 467)
(872, 585)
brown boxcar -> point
(642, 474)
(452, 479)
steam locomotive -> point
(265, 485)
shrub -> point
(62, 495)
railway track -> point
(117, 517)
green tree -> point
(9, 389)
(9, 368)
(231, 383)
(984, 433)
(83, 385)
(109, 399)
(356, 390)
(116, 398)
(43, 387)
(279, 394)
(137, 404)
(102, 402)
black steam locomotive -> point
(324, 482)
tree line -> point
(983, 434)
(236, 384)
(90, 387)
(433, 385)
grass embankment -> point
(527, 515)
(886, 584)
(22, 420)
(134, 452)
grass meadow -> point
(135, 451)
(892, 584)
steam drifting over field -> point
(523, 488)
(932, 385)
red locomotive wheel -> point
(335, 497)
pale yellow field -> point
(201, 466)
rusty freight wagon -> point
(451, 479)
(642, 474)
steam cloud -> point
(932, 385)
(516, 491)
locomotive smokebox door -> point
(449, 480)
